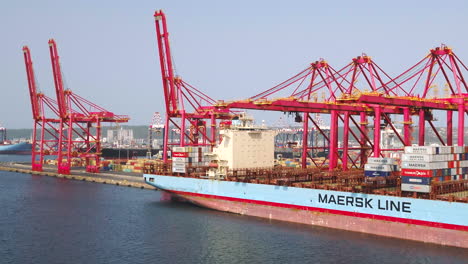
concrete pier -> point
(134, 180)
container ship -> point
(406, 199)
(8, 147)
(16, 148)
(417, 192)
(127, 152)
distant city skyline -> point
(230, 50)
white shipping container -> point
(424, 165)
(179, 149)
(445, 149)
(178, 164)
(415, 188)
(458, 149)
(421, 150)
(381, 160)
(178, 169)
(378, 167)
(424, 157)
(178, 159)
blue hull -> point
(432, 221)
(19, 148)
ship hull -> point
(22, 148)
(428, 221)
(126, 152)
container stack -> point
(138, 166)
(106, 165)
(135, 165)
(115, 166)
(188, 156)
(380, 167)
(149, 166)
(129, 166)
(293, 163)
(296, 162)
(422, 165)
(75, 162)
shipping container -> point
(381, 160)
(416, 180)
(377, 173)
(379, 167)
(415, 188)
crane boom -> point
(58, 81)
(36, 111)
(165, 59)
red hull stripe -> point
(330, 211)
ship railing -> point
(286, 176)
(453, 191)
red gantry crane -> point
(379, 96)
(441, 65)
(187, 108)
(80, 123)
(315, 90)
(69, 133)
(361, 89)
(46, 130)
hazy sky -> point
(229, 49)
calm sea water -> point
(49, 220)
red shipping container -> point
(451, 164)
(180, 154)
(418, 173)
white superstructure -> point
(244, 145)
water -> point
(50, 220)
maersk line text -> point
(386, 205)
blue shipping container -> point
(446, 172)
(377, 173)
(416, 180)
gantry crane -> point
(45, 113)
(66, 128)
(80, 122)
(379, 96)
(185, 104)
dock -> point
(134, 180)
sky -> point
(228, 49)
